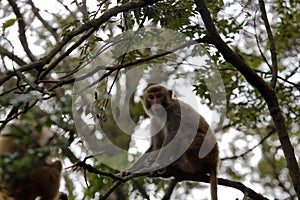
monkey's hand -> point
(148, 163)
(139, 168)
(123, 173)
(132, 170)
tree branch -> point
(265, 90)
(111, 69)
(258, 43)
(93, 24)
(44, 22)
(272, 43)
(140, 188)
(179, 176)
(12, 56)
(297, 85)
(64, 55)
(91, 169)
(22, 25)
(170, 189)
(251, 149)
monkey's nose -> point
(157, 109)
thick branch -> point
(12, 56)
(170, 172)
(265, 90)
(181, 176)
(186, 177)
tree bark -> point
(264, 89)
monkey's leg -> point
(142, 165)
(171, 150)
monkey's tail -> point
(213, 185)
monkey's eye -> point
(151, 96)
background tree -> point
(254, 44)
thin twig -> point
(251, 149)
(140, 188)
(170, 189)
(258, 44)
(111, 189)
(91, 169)
(93, 24)
(111, 69)
(22, 29)
(272, 43)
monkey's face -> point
(155, 100)
(156, 103)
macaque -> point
(181, 139)
(38, 177)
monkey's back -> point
(202, 155)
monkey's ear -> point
(142, 97)
(170, 93)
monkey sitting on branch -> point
(181, 140)
(27, 171)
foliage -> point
(63, 44)
(17, 166)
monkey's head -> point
(156, 99)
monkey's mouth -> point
(157, 110)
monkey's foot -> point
(123, 173)
(162, 171)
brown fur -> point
(42, 182)
(178, 113)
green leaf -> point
(8, 23)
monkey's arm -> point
(144, 164)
